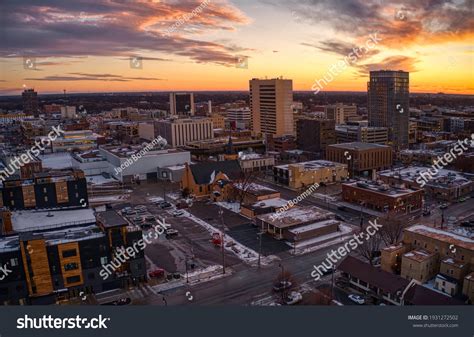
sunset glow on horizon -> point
(87, 46)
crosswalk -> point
(140, 292)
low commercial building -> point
(250, 192)
(382, 197)
(300, 175)
(363, 159)
(445, 185)
(133, 163)
(90, 162)
(250, 162)
(298, 223)
(81, 140)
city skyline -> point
(91, 46)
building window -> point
(73, 279)
(69, 253)
(14, 262)
(71, 266)
(103, 260)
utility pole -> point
(221, 213)
(186, 266)
(260, 247)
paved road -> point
(246, 283)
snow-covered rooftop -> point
(444, 236)
(28, 220)
(56, 161)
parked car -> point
(328, 271)
(171, 232)
(165, 205)
(130, 212)
(149, 218)
(178, 213)
(282, 285)
(356, 298)
(159, 272)
(293, 298)
(443, 206)
(138, 219)
(467, 223)
(140, 207)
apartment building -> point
(53, 189)
(55, 255)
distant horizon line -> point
(211, 91)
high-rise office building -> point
(30, 102)
(388, 104)
(182, 104)
(271, 106)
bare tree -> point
(245, 184)
(392, 230)
(369, 248)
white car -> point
(293, 298)
(178, 213)
(356, 298)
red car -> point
(157, 273)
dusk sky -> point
(86, 45)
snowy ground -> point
(108, 199)
(100, 180)
(244, 253)
(231, 206)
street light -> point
(217, 194)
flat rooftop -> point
(111, 219)
(443, 178)
(418, 255)
(128, 151)
(359, 146)
(255, 189)
(444, 236)
(384, 189)
(312, 165)
(53, 237)
(296, 216)
(36, 220)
